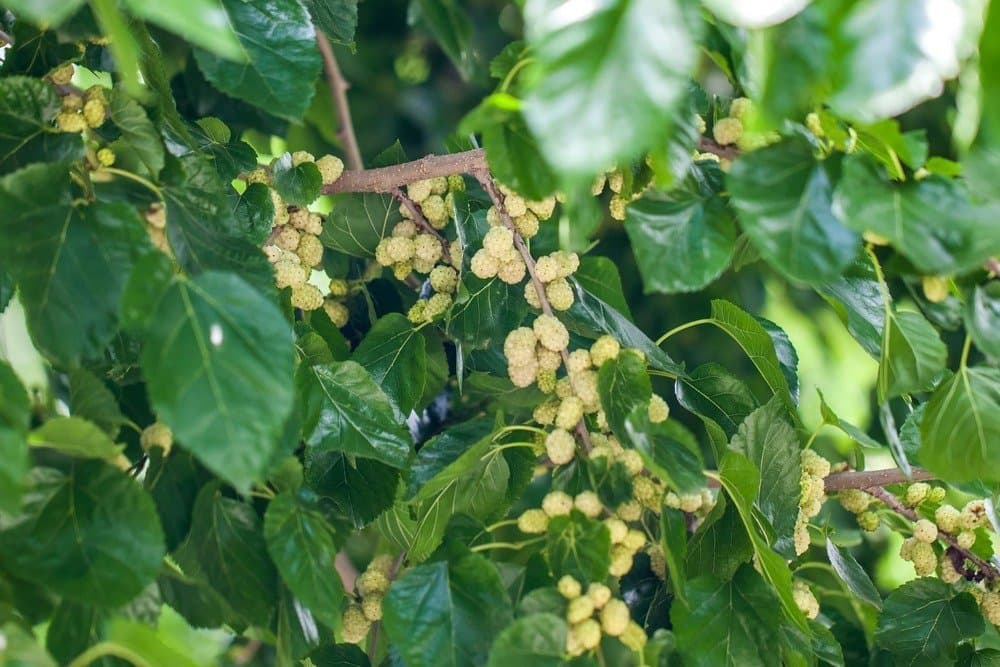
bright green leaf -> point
(75, 436)
(202, 22)
(913, 355)
(536, 639)
(852, 574)
(982, 318)
(579, 547)
(396, 356)
(298, 185)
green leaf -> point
(49, 12)
(448, 457)
(614, 55)
(202, 22)
(91, 535)
(485, 310)
(856, 434)
(720, 545)
(987, 657)
(668, 449)
(852, 574)
(302, 546)
(255, 212)
(916, 45)
(360, 488)
(74, 627)
(932, 221)
(281, 59)
(358, 222)
(536, 639)
(673, 540)
(579, 547)
(682, 242)
(989, 75)
(768, 440)
(752, 15)
(623, 385)
(344, 410)
(139, 147)
(924, 619)
(146, 643)
(338, 19)
(91, 399)
(756, 343)
(15, 415)
(75, 436)
(912, 355)
(396, 356)
(22, 650)
(28, 108)
(64, 256)
(514, 155)
(783, 197)
(711, 392)
(447, 614)
(298, 185)
(219, 367)
(960, 430)
(339, 655)
(452, 28)
(232, 554)
(857, 299)
(728, 622)
(982, 318)
(599, 277)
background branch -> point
(338, 91)
(867, 478)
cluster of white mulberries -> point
(815, 469)
(534, 354)
(524, 214)
(857, 502)
(614, 180)
(371, 587)
(552, 271)
(79, 112)
(294, 248)
(596, 613)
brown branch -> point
(988, 569)
(864, 479)
(706, 145)
(417, 215)
(385, 179)
(489, 185)
(338, 92)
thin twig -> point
(373, 635)
(417, 215)
(338, 92)
(852, 479)
(892, 501)
(489, 185)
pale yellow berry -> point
(947, 571)
(354, 624)
(804, 599)
(570, 413)
(372, 607)
(584, 385)
(588, 503)
(814, 464)
(597, 187)
(579, 608)
(310, 250)
(106, 157)
(868, 521)
(646, 492)
(62, 75)
(302, 157)
(259, 175)
(545, 413)
(551, 333)
(635, 540)
(588, 633)
(566, 263)
(966, 539)
(657, 561)
(299, 218)
(925, 531)
(672, 500)
(498, 242)
(382, 563)
(434, 209)
(484, 265)
(159, 435)
(94, 112)
(616, 180)
(855, 501)
(801, 537)
(516, 206)
(405, 228)
(658, 410)
(546, 380)
(617, 208)
(70, 121)
(617, 528)
(815, 125)
(533, 521)
(526, 225)
(924, 559)
(935, 288)
(547, 268)
(947, 518)
(579, 360)
(599, 594)
(337, 312)
(936, 495)
(629, 511)
(557, 503)
(916, 493)
(444, 279)
(493, 217)
(455, 255)
(519, 346)
(437, 305)
(548, 359)
(512, 271)
(560, 294)
(727, 131)
(338, 287)
(523, 376)
(740, 107)
(634, 465)
(604, 349)
(156, 216)
(307, 297)
(427, 248)
(564, 387)
(621, 560)
(330, 168)
(289, 273)
(634, 637)
(372, 582)
(419, 190)
(287, 238)
(973, 515)
(615, 617)
(569, 587)
(416, 314)
(560, 446)
(531, 295)
(544, 208)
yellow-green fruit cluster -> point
(159, 435)
(815, 469)
(804, 599)
(499, 258)
(371, 586)
(921, 554)
(594, 614)
(615, 182)
(989, 604)
(693, 503)
(79, 113)
(625, 544)
(435, 199)
(524, 214)
(857, 502)
(553, 270)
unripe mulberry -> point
(372, 607)
(815, 125)
(434, 210)
(545, 413)
(634, 465)
(560, 294)
(337, 312)
(519, 346)
(966, 539)
(419, 190)
(310, 250)
(604, 349)
(330, 168)
(727, 131)
(427, 248)
(814, 464)
(543, 209)
(925, 531)
(289, 273)
(259, 175)
(947, 518)
(589, 504)
(287, 238)
(307, 297)
(617, 208)
(533, 521)
(615, 617)
(526, 225)
(62, 75)
(973, 514)
(281, 216)
(621, 560)
(560, 447)
(579, 608)
(570, 413)
(372, 582)
(634, 637)
(548, 359)
(94, 113)
(531, 295)
(547, 268)
(658, 410)
(557, 503)
(354, 624)
(498, 242)
(106, 157)
(512, 271)
(868, 521)
(740, 107)
(804, 599)
(515, 205)
(484, 265)
(405, 228)
(456, 183)
(159, 435)
(617, 528)
(597, 187)
(579, 360)
(924, 559)
(551, 333)
(338, 287)
(70, 121)
(916, 493)
(646, 492)
(444, 279)
(400, 249)
(947, 571)
(855, 501)
(599, 594)
(616, 180)
(936, 495)
(629, 511)
(588, 634)
(546, 380)
(569, 587)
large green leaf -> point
(227, 537)
(447, 614)
(852, 574)
(769, 441)
(932, 221)
(70, 262)
(338, 19)
(344, 410)
(989, 73)
(139, 147)
(91, 399)
(27, 108)
(449, 456)
(301, 544)
(75, 436)
(452, 28)
(712, 392)
(396, 356)
(219, 369)
(960, 430)
(623, 385)
(754, 15)
(538, 640)
(681, 242)
(982, 318)
(202, 22)
(913, 355)
(597, 61)
(924, 619)
(733, 622)
(579, 547)
(720, 545)
(599, 276)
(857, 298)
(360, 488)
(15, 414)
(90, 535)
(916, 46)
(358, 222)
(278, 43)
(22, 649)
(511, 150)
(783, 197)
(668, 449)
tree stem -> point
(338, 92)
(864, 479)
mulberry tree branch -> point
(338, 91)
(867, 478)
